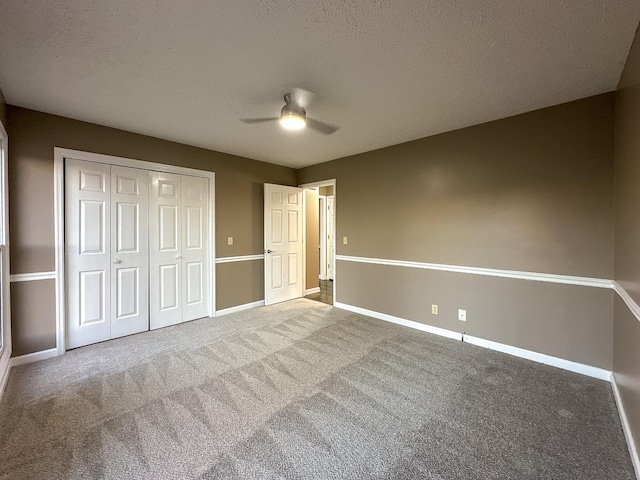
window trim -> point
(5, 349)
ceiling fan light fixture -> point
(292, 120)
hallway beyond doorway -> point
(325, 295)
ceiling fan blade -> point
(259, 120)
(302, 97)
(321, 127)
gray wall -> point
(532, 192)
(626, 364)
(33, 135)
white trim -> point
(518, 352)
(34, 357)
(633, 450)
(240, 308)
(400, 321)
(310, 291)
(129, 162)
(576, 367)
(32, 277)
(304, 246)
(240, 258)
(59, 155)
(5, 317)
(58, 217)
(320, 183)
(624, 295)
(5, 369)
(4, 170)
(492, 272)
(322, 218)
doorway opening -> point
(320, 247)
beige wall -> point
(326, 191)
(627, 233)
(32, 326)
(566, 321)
(239, 198)
(239, 283)
(532, 192)
(312, 214)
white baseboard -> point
(633, 450)
(239, 308)
(34, 357)
(5, 369)
(576, 367)
(312, 290)
(400, 321)
(518, 352)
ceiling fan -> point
(293, 115)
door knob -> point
(116, 261)
(178, 257)
(271, 251)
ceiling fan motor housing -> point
(291, 108)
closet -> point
(178, 221)
(136, 248)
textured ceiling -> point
(385, 71)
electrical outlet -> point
(462, 315)
(434, 309)
(229, 240)
(344, 240)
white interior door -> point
(165, 253)
(283, 243)
(195, 258)
(87, 250)
(330, 237)
(129, 251)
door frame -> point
(322, 217)
(59, 156)
(5, 318)
(305, 186)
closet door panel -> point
(165, 253)
(87, 252)
(195, 254)
(129, 251)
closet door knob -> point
(116, 261)
(178, 257)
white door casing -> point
(195, 257)
(87, 196)
(330, 241)
(129, 251)
(165, 253)
(284, 245)
(323, 238)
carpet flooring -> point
(302, 390)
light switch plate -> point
(462, 315)
(344, 240)
(229, 240)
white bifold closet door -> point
(106, 251)
(178, 250)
